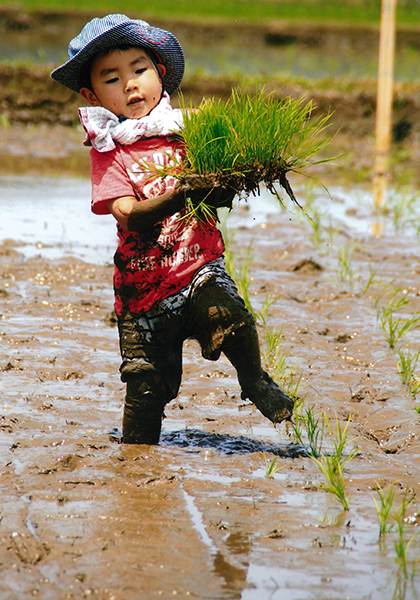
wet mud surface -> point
(83, 516)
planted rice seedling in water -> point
(339, 439)
(400, 207)
(332, 470)
(402, 544)
(240, 273)
(370, 281)
(314, 431)
(237, 265)
(397, 300)
(262, 314)
(291, 384)
(321, 237)
(396, 328)
(316, 235)
(298, 422)
(332, 465)
(407, 364)
(384, 507)
(345, 275)
(271, 467)
(238, 268)
(273, 356)
(308, 429)
(276, 360)
(331, 232)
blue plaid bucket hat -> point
(114, 30)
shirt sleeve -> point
(109, 180)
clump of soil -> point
(28, 95)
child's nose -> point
(131, 85)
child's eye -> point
(113, 80)
(140, 71)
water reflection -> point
(235, 577)
(405, 589)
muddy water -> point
(83, 516)
(52, 217)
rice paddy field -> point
(226, 506)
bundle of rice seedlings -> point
(251, 139)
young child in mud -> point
(170, 280)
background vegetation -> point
(346, 11)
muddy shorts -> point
(208, 310)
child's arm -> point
(140, 216)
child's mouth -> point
(135, 101)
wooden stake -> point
(384, 99)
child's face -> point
(125, 82)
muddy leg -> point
(221, 323)
(242, 349)
(143, 409)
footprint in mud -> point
(28, 549)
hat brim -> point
(133, 33)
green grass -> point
(345, 11)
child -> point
(170, 280)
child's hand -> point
(214, 197)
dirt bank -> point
(29, 96)
(40, 131)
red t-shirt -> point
(152, 265)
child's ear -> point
(162, 69)
(88, 95)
